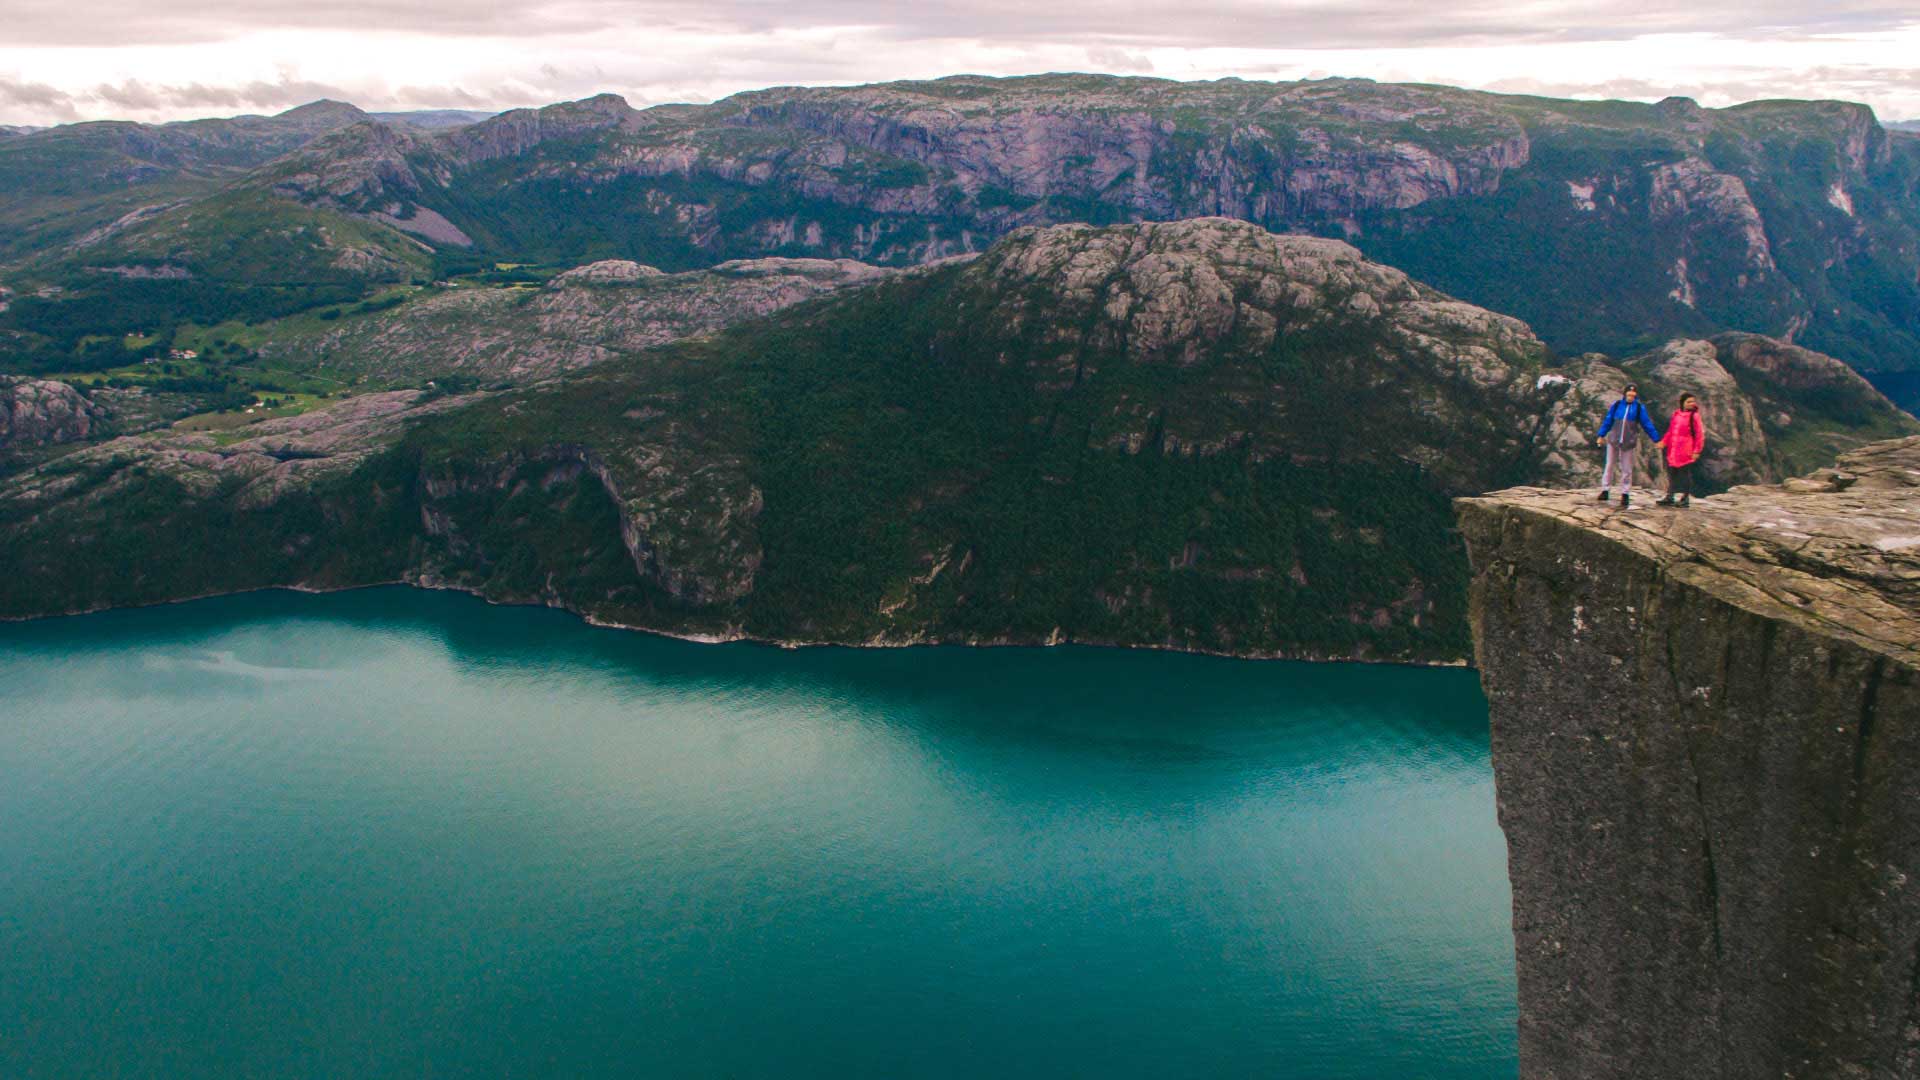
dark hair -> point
(1684, 398)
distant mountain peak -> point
(324, 108)
(610, 106)
(434, 119)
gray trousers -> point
(1619, 467)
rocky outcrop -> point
(1706, 204)
(520, 130)
(696, 559)
(605, 272)
(273, 458)
(40, 412)
(1458, 386)
(1604, 227)
(1183, 434)
(1706, 742)
(1771, 409)
(582, 317)
(354, 167)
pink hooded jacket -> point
(1685, 437)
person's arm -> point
(1646, 421)
(1606, 425)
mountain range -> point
(1128, 361)
(1607, 225)
(1196, 435)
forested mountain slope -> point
(1196, 435)
(1607, 225)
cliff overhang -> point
(1706, 745)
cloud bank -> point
(62, 61)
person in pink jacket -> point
(1686, 437)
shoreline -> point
(695, 637)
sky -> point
(66, 60)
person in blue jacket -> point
(1620, 434)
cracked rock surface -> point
(1706, 742)
(40, 412)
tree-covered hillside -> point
(1197, 435)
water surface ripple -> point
(400, 833)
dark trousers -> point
(1680, 480)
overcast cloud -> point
(87, 59)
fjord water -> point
(402, 833)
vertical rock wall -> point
(1706, 741)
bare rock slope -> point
(1706, 739)
(1603, 224)
(41, 412)
(1194, 434)
(1113, 435)
(1772, 409)
(582, 316)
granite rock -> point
(41, 412)
(1706, 744)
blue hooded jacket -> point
(1628, 412)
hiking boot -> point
(1605, 495)
(1667, 501)
(1685, 501)
(1626, 500)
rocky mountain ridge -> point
(40, 412)
(915, 460)
(58, 183)
(433, 119)
(1194, 435)
(1608, 225)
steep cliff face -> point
(1258, 152)
(1706, 740)
(1604, 225)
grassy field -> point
(248, 393)
(271, 407)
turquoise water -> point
(394, 833)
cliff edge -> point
(1706, 743)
